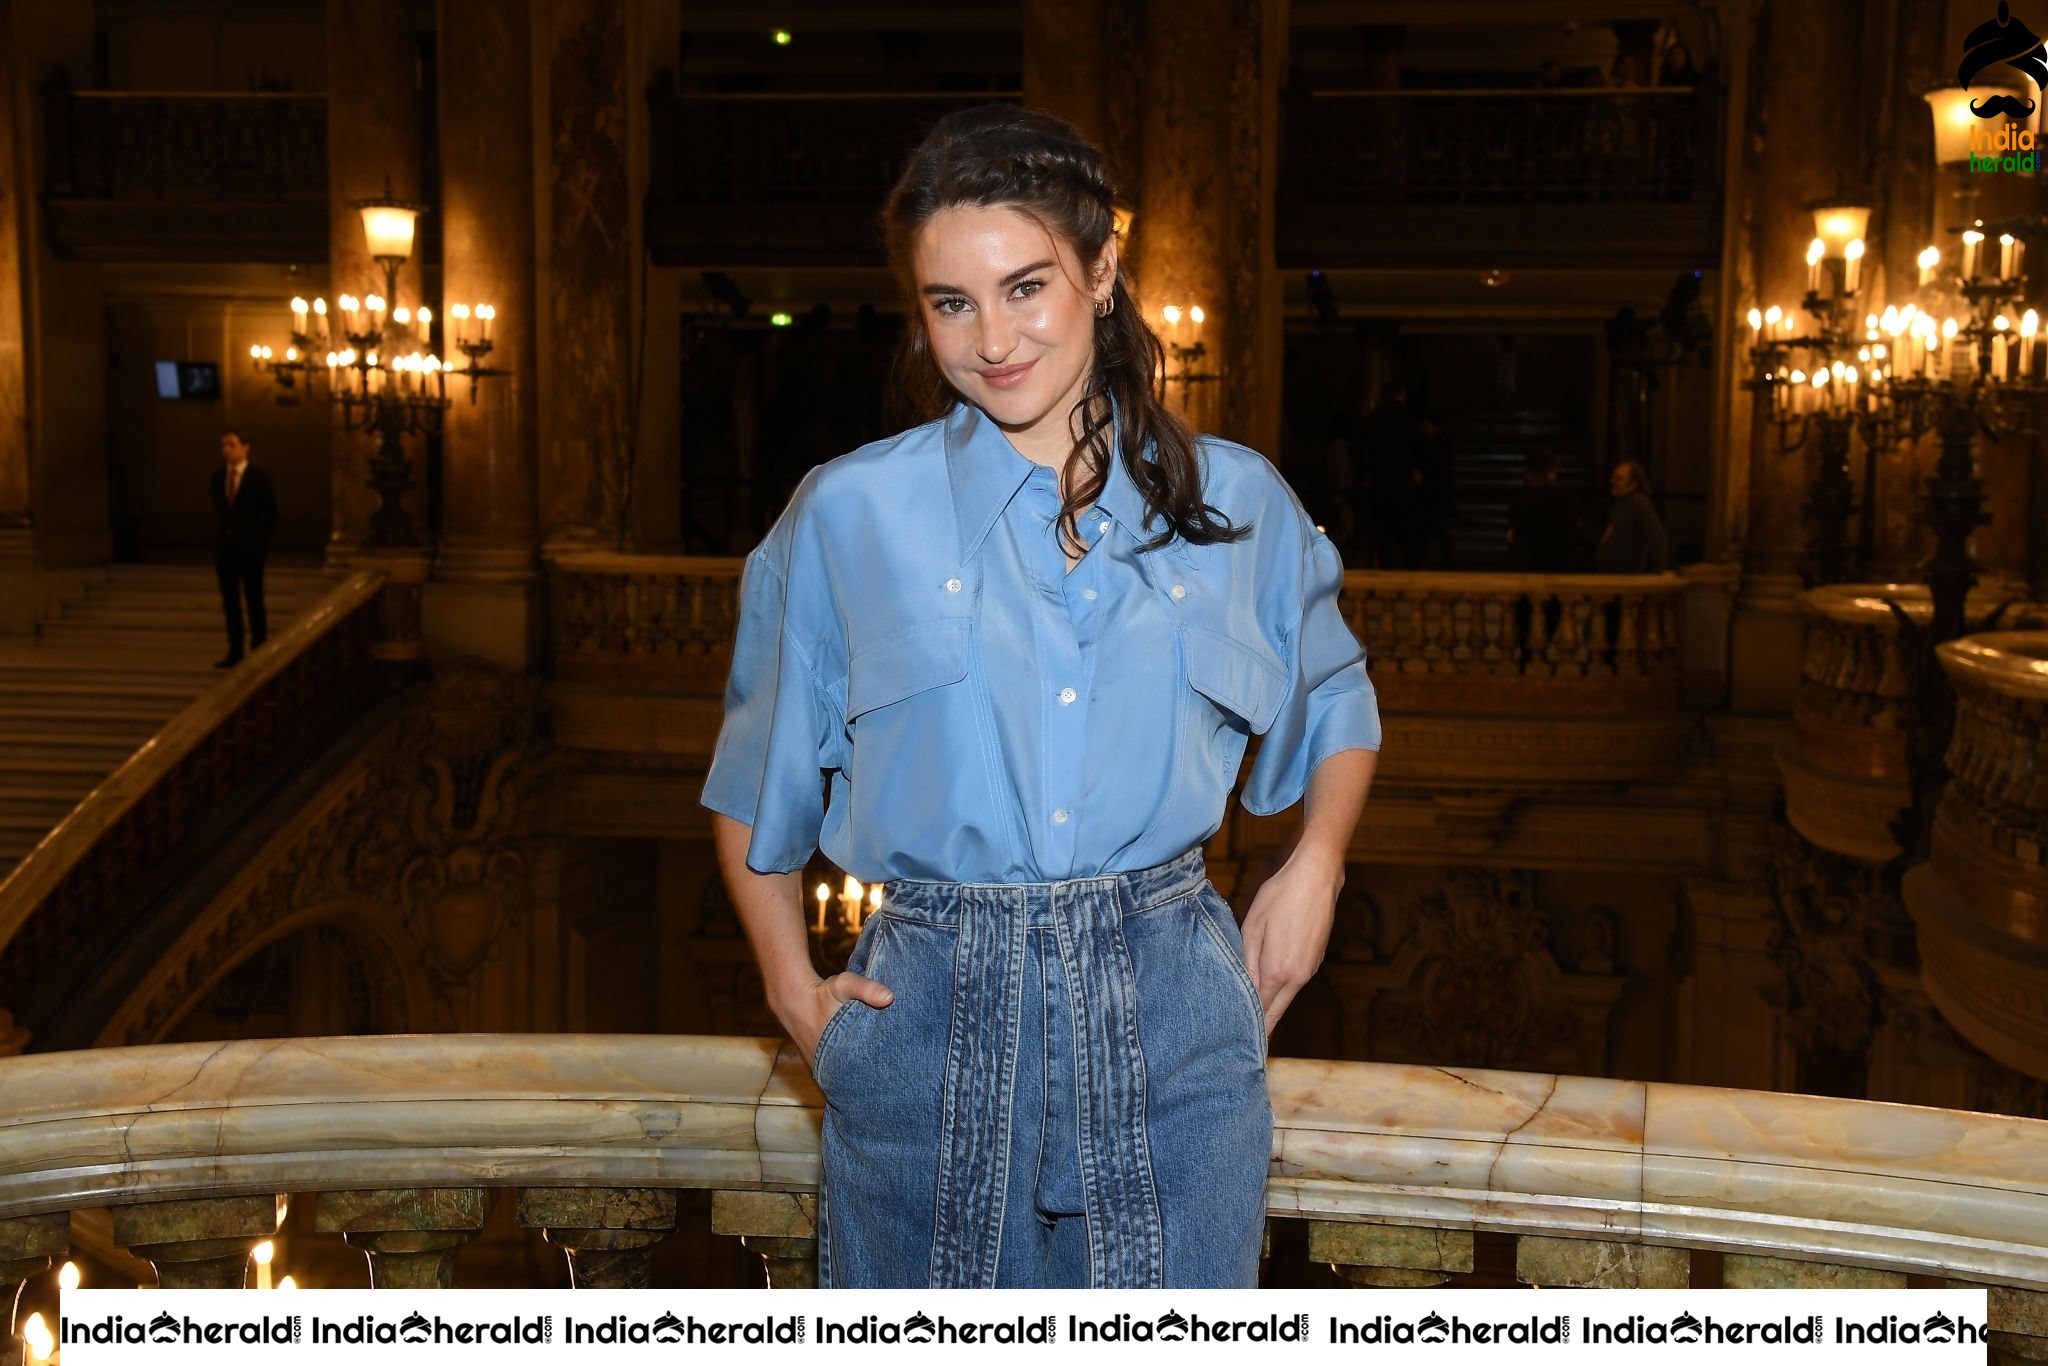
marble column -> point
(1204, 227)
(1183, 96)
(1805, 64)
(591, 257)
(483, 598)
(373, 141)
(53, 465)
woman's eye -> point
(951, 306)
(1029, 288)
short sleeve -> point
(1330, 705)
(768, 769)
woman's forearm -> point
(1335, 800)
(771, 910)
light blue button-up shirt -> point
(911, 638)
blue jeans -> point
(1069, 1089)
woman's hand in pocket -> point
(808, 1015)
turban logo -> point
(2006, 40)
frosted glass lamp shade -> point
(389, 228)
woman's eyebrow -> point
(1012, 278)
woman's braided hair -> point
(1040, 165)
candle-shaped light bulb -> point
(255, 352)
(349, 303)
(1772, 314)
(291, 353)
(1756, 321)
(287, 1284)
(2030, 323)
(484, 314)
(1929, 259)
(370, 359)
(460, 313)
(262, 1254)
(37, 1337)
(69, 1277)
(1799, 377)
(875, 896)
(401, 315)
(375, 303)
(1197, 317)
(1971, 239)
(1172, 315)
(1852, 268)
(424, 316)
(299, 308)
(2005, 246)
(320, 307)
(1815, 250)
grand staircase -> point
(103, 674)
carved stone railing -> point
(1396, 1169)
(1406, 175)
(1846, 771)
(643, 642)
(1981, 900)
(66, 896)
(187, 176)
(655, 621)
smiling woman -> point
(1045, 1063)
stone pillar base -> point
(500, 622)
(1767, 644)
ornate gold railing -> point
(401, 1142)
(1846, 772)
(1981, 901)
(122, 832)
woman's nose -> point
(995, 338)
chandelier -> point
(378, 361)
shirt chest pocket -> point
(907, 662)
(1243, 679)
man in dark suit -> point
(245, 509)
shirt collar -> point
(986, 471)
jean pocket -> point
(834, 1027)
(1219, 927)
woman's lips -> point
(1009, 377)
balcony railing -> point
(1466, 661)
(1981, 900)
(64, 904)
(1846, 772)
(1371, 178)
(774, 178)
(199, 176)
(402, 1141)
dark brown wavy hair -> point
(1040, 165)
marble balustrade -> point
(114, 839)
(1846, 771)
(1980, 902)
(400, 1141)
(1436, 641)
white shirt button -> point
(1067, 696)
(1179, 591)
(1102, 526)
(1059, 817)
(1088, 593)
(952, 585)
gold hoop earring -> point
(1105, 307)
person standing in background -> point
(245, 513)
(1634, 542)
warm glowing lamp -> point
(1838, 222)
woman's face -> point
(1009, 311)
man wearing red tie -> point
(245, 506)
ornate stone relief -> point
(420, 851)
(1472, 981)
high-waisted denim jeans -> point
(1069, 1088)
